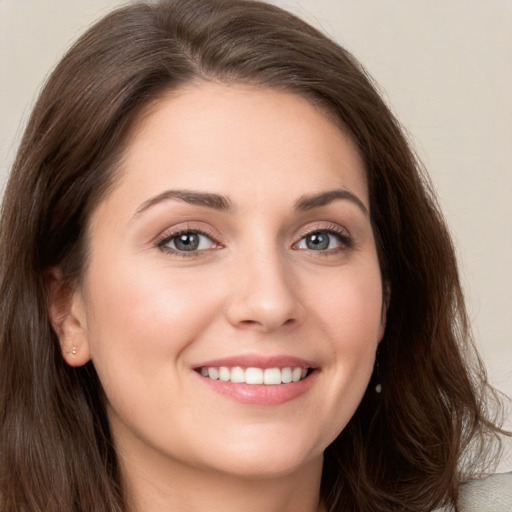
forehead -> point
(241, 141)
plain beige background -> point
(444, 67)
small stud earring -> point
(73, 350)
(376, 374)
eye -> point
(187, 242)
(323, 241)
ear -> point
(386, 298)
(67, 316)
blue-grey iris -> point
(187, 242)
(317, 241)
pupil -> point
(187, 242)
(317, 241)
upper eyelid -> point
(344, 237)
(171, 236)
(171, 233)
(328, 227)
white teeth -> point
(253, 375)
(296, 374)
(237, 374)
(213, 373)
(286, 375)
(272, 376)
(224, 374)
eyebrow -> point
(222, 203)
(207, 199)
(308, 202)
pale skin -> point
(285, 265)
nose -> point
(264, 294)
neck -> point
(181, 488)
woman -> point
(231, 286)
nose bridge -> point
(264, 294)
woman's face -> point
(235, 247)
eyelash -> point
(346, 242)
(168, 237)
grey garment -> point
(492, 494)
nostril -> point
(249, 323)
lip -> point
(259, 361)
(256, 394)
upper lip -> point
(259, 361)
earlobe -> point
(67, 317)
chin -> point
(264, 460)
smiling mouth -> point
(254, 375)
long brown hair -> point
(403, 447)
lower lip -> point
(261, 394)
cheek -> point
(348, 304)
(141, 317)
(347, 314)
